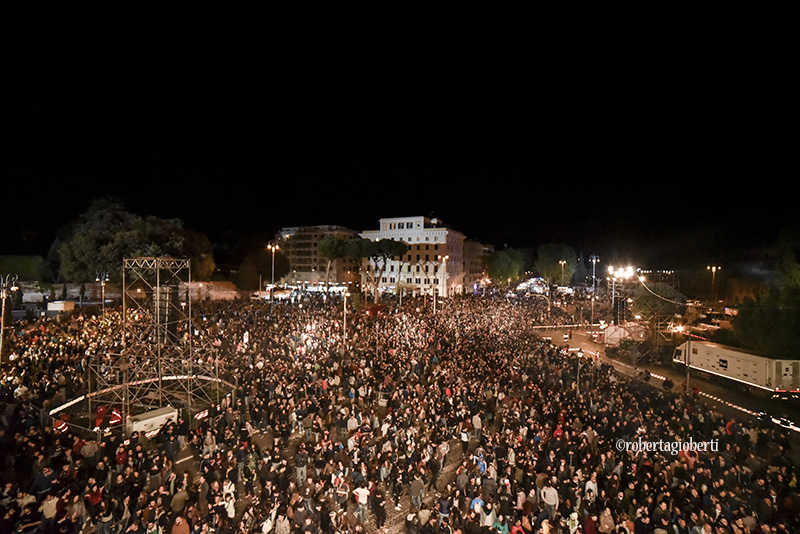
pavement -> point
(731, 402)
(727, 401)
(395, 519)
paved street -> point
(719, 396)
(730, 402)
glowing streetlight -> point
(686, 359)
(102, 277)
(273, 247)
(713, 269)
(562, 263)
(618, 273)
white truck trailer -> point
(749, 371)
(149, 423)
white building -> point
(434, 261)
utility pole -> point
(9, 283)
(102, 277)
(594, 259)
(273, 247)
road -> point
(730, 402)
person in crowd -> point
(319, 421)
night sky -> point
(243, 129)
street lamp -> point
(9, 283)
(578, 376)
(594, 258)
(617, 274)
(435, 288)
(444, 266)
(102, 277)
(713, 269)
(273, 247)
(686, 359)
(344, 323)
(562, 262)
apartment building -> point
(307, 268)
(434, 262)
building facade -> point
(434, 263)
(476, 257)
(309, 270)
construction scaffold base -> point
(158, 364)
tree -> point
(331, 248)
(378, 253)
(789, 250)
(504, 265)
(548, 263)
(581, 275)
(198, 247)
(769, 324)
(106, 234)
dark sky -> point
(243, 129)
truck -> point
(150, 423)
(746, 370)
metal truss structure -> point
(158, 363)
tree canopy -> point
(379, 253)
(331, 248)
(769, 324)
(103, 236)
(504, 265)
(548, 263)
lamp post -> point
(617, 274)
(273, 247)
(8, 283)
(687, 359)
(102, 277)
(344, 323)
(594, 259)
(436, 278)
(562, 263)
(713, 269)
(578, 376)
(444, 266)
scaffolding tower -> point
(158, 363)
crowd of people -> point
(464, 420)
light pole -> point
(617, 274)
(102, 277)
(273, 247)
(713, 269)
(8, 283)
(435, 288)
(444, 266)
(578, 376)
(562, 262)
(344, 323)
(686, 360)
(594, 259)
